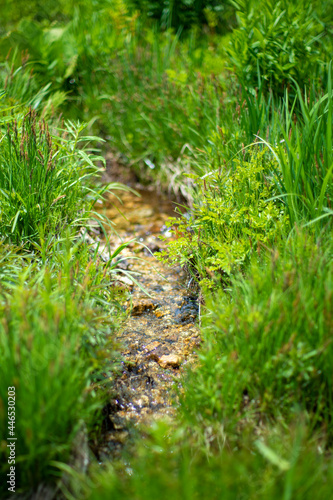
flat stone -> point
(159, 313)
(125, 280)
(140, 215)
(169, 361)
(141, 306)
(152, 346)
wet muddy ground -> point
(160, 336)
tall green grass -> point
(44, 180)
(305, 156)
(268, 343)
(55, 341)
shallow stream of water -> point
(160, 336)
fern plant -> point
(233, 217)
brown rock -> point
(141, 306)
(172, 338)
(152, 345)
(169, 361)
(155, 350)
(159, 313)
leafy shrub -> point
(233, 217)
(279, 41)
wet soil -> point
(160, 336)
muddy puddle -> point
(160, 336)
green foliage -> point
(42, 11)
(168, 464)
(305, 157)
(248, 206)
(49, 56)
(158, 97)
(22, 88)
(278, 42)
(172, 108)
(268, 342)
(143, 86)
(55, 337)
(234, 216)
(64, 57)
(187, 13)
(43, 180)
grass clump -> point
(43, 180)
(55, 342)
(305, 156)
(268, 350)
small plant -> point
(232, 218)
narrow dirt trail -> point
(160, 335)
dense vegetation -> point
(229, 103)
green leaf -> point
(272, 456)
(15, 220)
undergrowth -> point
(235, 215)
(268, 348)
(256, 144)
(58, 304)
